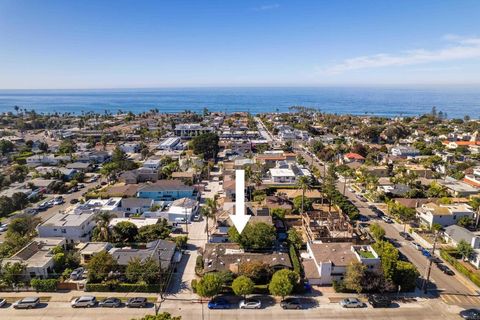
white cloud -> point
(459, 48)
(267, 7)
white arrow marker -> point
(239, 219)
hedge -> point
(459, 267)
(121, 287)
(297, 266)
(44, 285)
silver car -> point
(84, 302)
(27, 303)
(352, 303)
(77, 274)
(250, 304)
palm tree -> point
(205, 212)
(210, 210)
(103, 221)
(304, 184)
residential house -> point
(167, 190)
(229, 257)
(137, 221)
(153, 164)
(459, 188)
(474, 178)
(170, 144)
(74, 227)
(80, 166)
(353, 157)
(130, 147)
(161, 251)
(89, 249)
(444, 215)
(37, 257)
(404, 151)
(328, 261)
(183, 209)
(454, 234)
(136, 205)
(187, 130)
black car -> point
(406, 236)
(137, 302)
(470, 314)
(377, 301)
(291, 303)
(445, 269)
(436, 260)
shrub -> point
(122, 287)
(448, 255)
(297, 266)
(44, 285)
(194, 285)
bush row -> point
(447, 255)
(121, 287)
(44, 285)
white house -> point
(328, 261)
(454, 234)
(37, 257)
(152, 164)
(130, 147)
(445, 215)
(183, 209)
(74, 227)
(404, 151)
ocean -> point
(455, 102)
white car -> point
(352, 303)
(3, 302)
(250, 304)
(416, 246)
(387, 219)
(3, 227)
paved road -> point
(442, 282)
(426, 310)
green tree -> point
(297, 204)
(100, 265)
(283, 282)
(256, 270)
(255, 236)
(304, 184)
(242, 286)
(160, 316)
(6, 146)
(210, 285)
(12, 274)
(295, 238)
(147, 271)
(354, 276)
(154, 232)
(210, 211)
(377, 231)
(389, 258)
(102, 230)
(67, 147)
(125, 231)
(406, 275)
(206, 145)
(465, 221)
(464, 249)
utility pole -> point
(429, 268)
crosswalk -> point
(460, 299)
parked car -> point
(363, 218)
(218, 303)
(436, 260)
(137, 302)
(426, 253)
(73, 201)
(416, 246)
(57, 201)
(3, 227)
(377, 301)
(196, 217)
(445, 269)
(250, 304)
(84, 302)
(406, 236)
(27, 303)
(352, 303)
(470, 314)
(3, 302)
(291, 303)
(77, 274)
(387, 219)
(30, 211)
(110, 303)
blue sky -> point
(131, 44)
